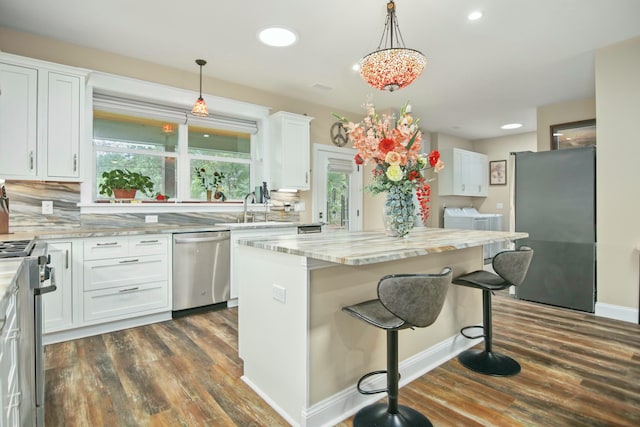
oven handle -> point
(51, 273)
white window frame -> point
(124, 87)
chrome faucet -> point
(244, 205)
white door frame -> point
(321, 157)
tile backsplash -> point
(26, 197)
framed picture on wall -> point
(498, 172)
(573, 135)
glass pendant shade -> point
(392, 67)
(200, 107)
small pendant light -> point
(200, 107)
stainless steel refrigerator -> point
(555, 203)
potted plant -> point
(124, 184)
(212, 183)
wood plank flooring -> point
(577, 370)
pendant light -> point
(200, 107)
(391, 67)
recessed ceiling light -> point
(511, 126)
(475, 15)
(355, 67)
(277, 36)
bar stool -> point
(512, 267)
(404, 301)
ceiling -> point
(479, 76)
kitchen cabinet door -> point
(58, 306)
(465, 173)
(18, 121)
(63, 126)
(290, 151)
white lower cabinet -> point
(121, 281)
(125, 301)
(237, 235)
(60, 308)
(125, 277)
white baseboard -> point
(103, 328)
(617, 312)
(347, 402)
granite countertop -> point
(360, 248)
(151, 228)
(8, 269)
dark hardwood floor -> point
(577, 370)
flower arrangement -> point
(400, 167)
(212, 182)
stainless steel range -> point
(16, 248)
(36, 278)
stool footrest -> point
(370, 374)
(472, 337)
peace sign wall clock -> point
(339, 134)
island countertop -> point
(361, 248)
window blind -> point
(151, 110)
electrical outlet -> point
(151, 218)
(279, 293)
(47, 207)
(499, 206)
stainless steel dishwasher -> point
(200, 271)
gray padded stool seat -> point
(512, 267)
(404, 301)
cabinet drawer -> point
(148, 245)
(107, 247)
(111, 273)
(125, 301)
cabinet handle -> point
(135, 288)
(75, 162)
(149, 241)
(31, 160)
(107, 244)
(66, 259)
(306, 177)
(128, 261)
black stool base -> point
(376, 415)
(489, 363)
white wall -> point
(618, 173)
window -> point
(225, 152)
(140, 145)
(155, 141)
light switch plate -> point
(47, 207)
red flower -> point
(386, 145)
(413, 175)
(434, 157)
(358, 159)
(161, 197)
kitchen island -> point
(303, 355)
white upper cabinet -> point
(466, 173)
(63, 126)
(41, 119)
(18, 121)
(289, 149)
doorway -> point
(337, 188)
